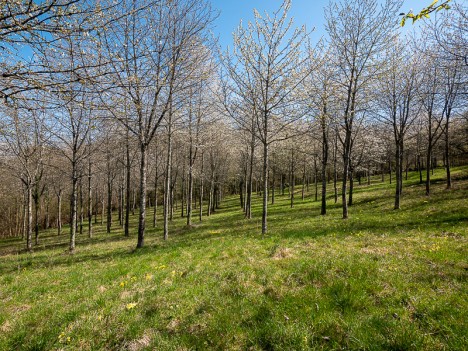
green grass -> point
(382, 280)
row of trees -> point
(129, 105)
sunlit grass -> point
(382, 280)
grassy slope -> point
(384, 279)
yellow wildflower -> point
(131, 305)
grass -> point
(382, 280)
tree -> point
(359, 31)
(266, 69)
(24, 133)
(397, 102)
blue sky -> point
(308, 12)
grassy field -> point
(382, 280)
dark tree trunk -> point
(323, 209)
(81, 204)
(59, 212)
(292, 179)
(200, 209)
(265, 188)
(109, 202)
(142, 215)
(128, 167)
(351, 186)
(167, 181)
(397, 175)
(90, 200)
(346, 156)
(73, 207)
(447, 154)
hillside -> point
(381, 280)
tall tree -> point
(266, 68)
(358, 32)
(149, 53)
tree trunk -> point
(109, 202)
(335, 171)
(351, 186)
(36, 198)
(323, 210)
(59, 212)
(292, 179)
(29, 216)
(200, 215)
(81, 204)
(428, 169)
(167, 182)
(315, 179)
(128, 166)
(273, 185)
(303, 181)
(447, 154)
(346, 155)
(265, 188)
(142, 215)
(73, 208)
(155, 209)
(210, 198)
(397, 175)
(248, 213)
(90, 201)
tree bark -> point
(59, 212)
(142, 215)
(73, 208)
(200, 215)
(128, 167)
(29, 216)
(90, 200)
(167, 182)
(265, 188)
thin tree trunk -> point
(346, 155)
(29, 216)
(155, 209)
(167, 180)
(142, 215)
(323, 210)
(81, 204)
(90, 200)
(248, 213)
(273, 185)
(397, 175)
(109, 202)
(351, 186)
(73, 208)
(128, 166)
(36, 215)
(315, 179)
(59, 212)
(335, 171)
(428, 170)
(292, 180)
(200, 215)
(303, 180)
(265, 188)
(447, 154)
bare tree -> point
(24, 133)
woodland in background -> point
(112, 110)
